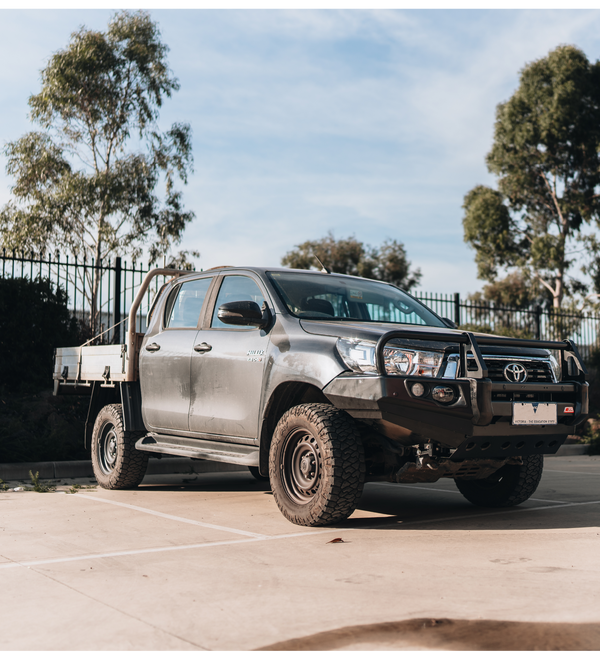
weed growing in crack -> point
(39, 486)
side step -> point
(216, 451)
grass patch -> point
(76, 487)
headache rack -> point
(572, 366)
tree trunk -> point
(558, 291)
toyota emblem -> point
(515, 373)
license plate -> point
(534, 413)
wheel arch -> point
(284, 397)
(128, 394)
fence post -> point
(538, 322)
(457, 308)
(117, 302)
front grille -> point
(537, 370)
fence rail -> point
(118, 284)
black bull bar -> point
(485, 440)
(571, 361)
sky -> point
(366, 123)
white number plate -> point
(534, 413)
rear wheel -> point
(316, 465)
(116, 462)
(511, 485)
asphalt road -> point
(208, 562)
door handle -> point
(202, 347)
(153, 347)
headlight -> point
(359, 355)
(556, 368)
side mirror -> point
(450, 323)
(245, 313)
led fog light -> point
(417, 390)
(443, 394)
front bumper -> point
(477, 425)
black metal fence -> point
(535, 322)
(118, 284)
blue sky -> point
(371, 123)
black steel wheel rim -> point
(302, 466)
(107, 449)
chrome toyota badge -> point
(515, 373)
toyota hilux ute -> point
(320, 382)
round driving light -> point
(443, 394)
(417, 390)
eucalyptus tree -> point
(387, 262)
(98, 178)
(546, 157)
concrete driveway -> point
(208, 562)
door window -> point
(185, 303)
(236, 289)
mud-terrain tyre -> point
(256, 474)
(116, 462)
(511, 485)
(316, 465)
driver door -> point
(226, 377)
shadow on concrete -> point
(409, 507)
(451, 635)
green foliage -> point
(546, 156)
(488, 229)
(34, 319)
(34, 425)
(3, 485)
(76, 487)
(39, 486)
(41, 427)
(515, 291)
(88, 180)
(591, 436)
(349, 256)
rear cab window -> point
(184, 304)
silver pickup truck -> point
(321, 381)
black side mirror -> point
(450, 323)
(245, 313)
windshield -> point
(330, 297)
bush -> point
(35, 425)
(42, 427)
(34, 319)
(591, 435)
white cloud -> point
(367, 122)
(324, 24)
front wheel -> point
(256, 474)
(116, 462)
(511, 485)
(316, 465)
